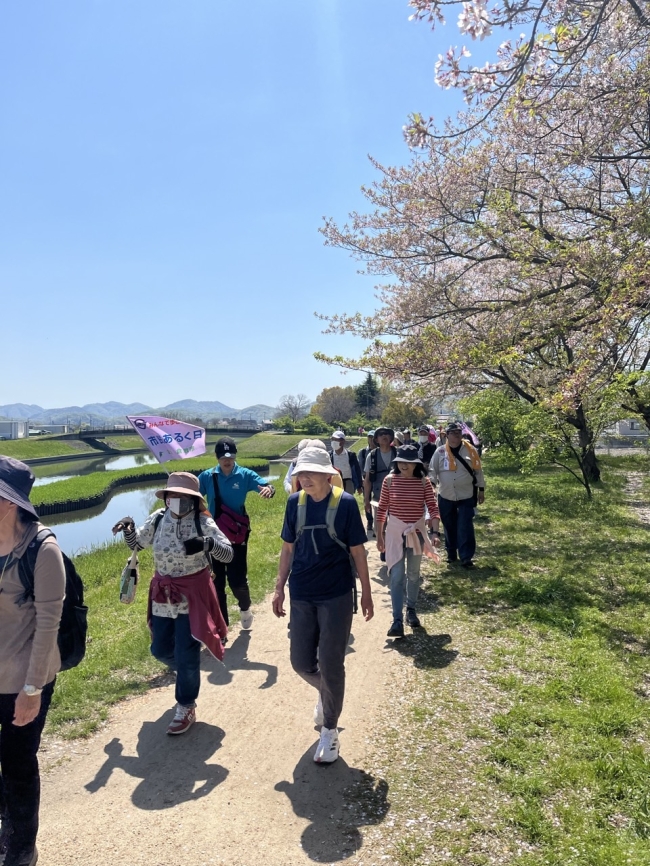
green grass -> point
(268, 445)
(557, 616)
(26, 449)
(118, 662)
(83, 486)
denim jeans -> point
(20, 783)
(319, 637)
(405, 573)
(237, 573)
(173, 645)
(458, 519)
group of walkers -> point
(199, 541)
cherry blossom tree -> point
(516, 253)
(561, 38)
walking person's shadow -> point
(337, 799)
(236, 659)
(170, 767)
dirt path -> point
(241, 787)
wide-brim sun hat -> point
(407, 454)
(16, 480)
(312, 459)
(185, 484)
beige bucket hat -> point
(184, 483)
(312, 459)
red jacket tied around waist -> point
(206, 622)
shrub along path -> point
(511, 729)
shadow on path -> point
(236, 659)
(171, 768)
(337, 800)
(426, 650)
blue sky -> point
(165, 169)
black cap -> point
(225, 447)
(454, 427)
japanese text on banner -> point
(168, 439)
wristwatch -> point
(32, 691)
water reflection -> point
(80, 530)
(52, 472)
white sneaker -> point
(247, 619)
(327, 751)
(319, 718)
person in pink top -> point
(402, 532)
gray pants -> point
(319, 637)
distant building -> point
(14, 429)
(629, 431)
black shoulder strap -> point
(156, 521)
(464, 463)
(27, 563)
(373, 463)
(217, 496)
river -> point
(77, 531)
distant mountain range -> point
(96, 414)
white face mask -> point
(179, 507)
(336, 444)
(423, 439)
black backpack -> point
(73, 627)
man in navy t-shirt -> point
(321, 582)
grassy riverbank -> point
(28, 449)
(118, 662)
(522, 727)
(269, 445)
(84, 486)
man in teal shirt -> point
(233, 484)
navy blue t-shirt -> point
(326, 574)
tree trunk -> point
(586, 439)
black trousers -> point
(20, 782)
(237, 574)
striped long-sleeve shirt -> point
(167, 535)
(406, 498)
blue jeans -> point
(458, 519)
(173, 645)
(319, 637)
(405, 573)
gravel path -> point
(240, 788)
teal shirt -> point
(233, 488)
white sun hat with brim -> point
(311, 443)
(313, 459)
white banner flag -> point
(168, 439)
